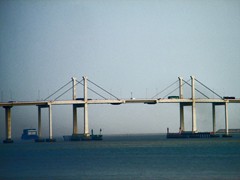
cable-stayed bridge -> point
(85, 101)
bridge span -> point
(84, 102)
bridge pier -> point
(85, 106)
(75, 127)
(39, 123)
(226, 119)
(182, 128)
(214, 117)
(8, 120)
(39, 139)
(86, 128)
(194, 122)
(50, 139)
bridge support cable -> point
(92, 90)
(103, 89)
(165, 89)
(67, 90)
(197, 90)
(57, 90)
(209, 89)
(175, 89)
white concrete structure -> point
(75, 126)
(85, 88)
(85, 102)
(226, 118)
(182, 128)
(194, 121)
(214, 117)
(50, 122)
(49, 106)
(39, 122)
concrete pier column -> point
(194, 122)
(39, 123)
(39, 139)
(75, 127)
(182, 128)
(86, 128)
(226, 118)
(50, 122)
(181, 104)
(74, 97)
(214, 117)
(8, 125)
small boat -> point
(96, 137)
(29, 134)
(82, 137)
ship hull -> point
(192, 135)
(82, 137)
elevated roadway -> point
(85, 101)
(116, 102)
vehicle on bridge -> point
(228, 97)
(173, 97)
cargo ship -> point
(29, 134)
(190, 134)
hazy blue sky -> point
(125, 46)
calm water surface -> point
(122, 157)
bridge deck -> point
(117, 102)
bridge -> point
(85, 101)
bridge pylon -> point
(74, 97)
(182, 104)
(194, 119)
(85, 88)
(182, 128)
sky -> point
(132, 48)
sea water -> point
(122, 157)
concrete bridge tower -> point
(74, 97)
(182, 128)
(194, 122)
(85, 88)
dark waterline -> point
(123, 157)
